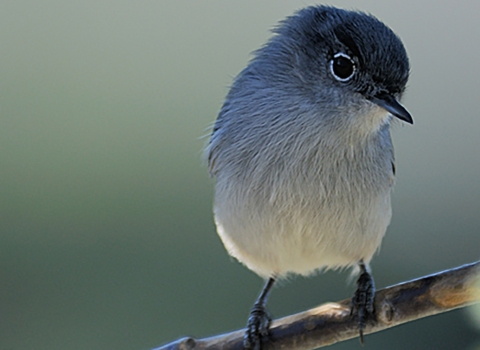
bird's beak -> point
(389, 103)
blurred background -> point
(106, 233)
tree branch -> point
(331, 323)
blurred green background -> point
(106, 232)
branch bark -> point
(331, 323)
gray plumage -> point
(303, 158)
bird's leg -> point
(363, 299)
(259, 320)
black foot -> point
(362, 301)
(257, 328)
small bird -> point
(302, 154)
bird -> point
(302, 155)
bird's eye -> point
(342, 67)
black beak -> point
(389, 103)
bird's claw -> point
(257, 328)
(363, 302)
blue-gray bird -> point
(302, 154)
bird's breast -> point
(300, 212)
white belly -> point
(300, 231)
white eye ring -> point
(342, 67)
